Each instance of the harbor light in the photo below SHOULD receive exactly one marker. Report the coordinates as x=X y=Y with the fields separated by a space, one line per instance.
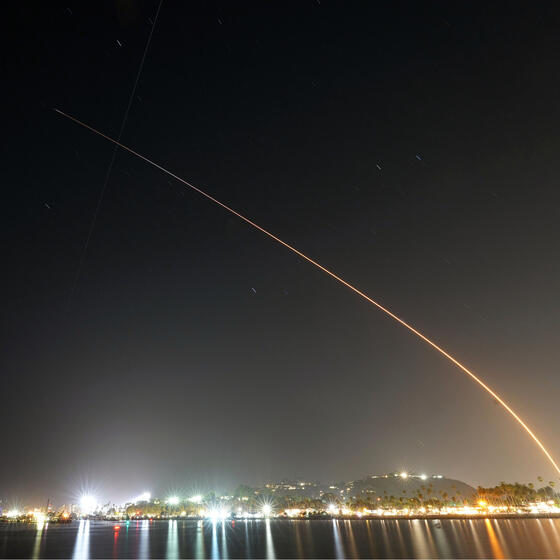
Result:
x=404 y=475
x=218 y=514
x=88 y=503
x=173 y=501
x=267 y=510
x=40 y=517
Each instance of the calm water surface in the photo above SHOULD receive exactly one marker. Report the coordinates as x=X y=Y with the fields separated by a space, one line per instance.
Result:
x=276 y=538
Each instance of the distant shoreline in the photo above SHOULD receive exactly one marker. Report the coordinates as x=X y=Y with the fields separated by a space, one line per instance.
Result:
x=325 y=518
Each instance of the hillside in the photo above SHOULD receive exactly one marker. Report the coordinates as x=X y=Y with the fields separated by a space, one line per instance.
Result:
x=391 y=484
x=434 y=486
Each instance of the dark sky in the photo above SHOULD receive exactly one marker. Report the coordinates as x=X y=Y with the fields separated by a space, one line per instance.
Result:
x=195 y=352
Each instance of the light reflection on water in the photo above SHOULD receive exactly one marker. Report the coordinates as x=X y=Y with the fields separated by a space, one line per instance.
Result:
x=81 y=548
x=553 y=535
x=370 y=538
x=278 y=538
x=269 y=542
x=247 y=540
x=38 y=539
x=224 y=553
x=420 y=539
x=546 y=536
x=497 y=551
x=440 y=538
x=199 y=540
x=351 y=539
x=476 y=540
x=215 y=551
x=338 y=548
x=143 y=529
x=172 y=541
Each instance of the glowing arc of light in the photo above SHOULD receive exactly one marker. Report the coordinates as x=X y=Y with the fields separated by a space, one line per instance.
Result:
x=337 y=278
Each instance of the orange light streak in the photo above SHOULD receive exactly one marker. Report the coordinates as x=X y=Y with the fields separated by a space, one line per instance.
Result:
x=494 y=542
x=337 y=278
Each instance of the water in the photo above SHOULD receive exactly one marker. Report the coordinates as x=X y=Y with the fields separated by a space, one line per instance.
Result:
x=282 y=538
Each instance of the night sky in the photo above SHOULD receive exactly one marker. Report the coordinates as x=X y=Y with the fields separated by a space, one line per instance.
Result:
x=413 y=148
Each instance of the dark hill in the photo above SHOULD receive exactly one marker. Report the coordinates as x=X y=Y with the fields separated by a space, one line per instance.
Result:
x=433 y=486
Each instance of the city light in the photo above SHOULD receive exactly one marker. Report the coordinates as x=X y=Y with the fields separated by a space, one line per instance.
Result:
x=39 y=516
x=196 y=499
x=423 y=477
x=487 y=502
x=218 y=514
x=88 y=504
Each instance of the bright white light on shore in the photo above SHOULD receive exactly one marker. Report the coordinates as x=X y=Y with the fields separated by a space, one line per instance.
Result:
x=404 y=475
x=218 y=514
x=13 y=513
x=267 y=509
x=332 y=509
x=174 y=500
x=196 y=499
x=423 y=477
x=88 y=503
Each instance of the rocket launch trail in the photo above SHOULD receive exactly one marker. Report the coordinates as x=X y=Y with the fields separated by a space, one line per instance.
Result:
x=413 y=330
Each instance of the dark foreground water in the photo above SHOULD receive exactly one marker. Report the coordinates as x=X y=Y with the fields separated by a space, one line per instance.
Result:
x=279 y=538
